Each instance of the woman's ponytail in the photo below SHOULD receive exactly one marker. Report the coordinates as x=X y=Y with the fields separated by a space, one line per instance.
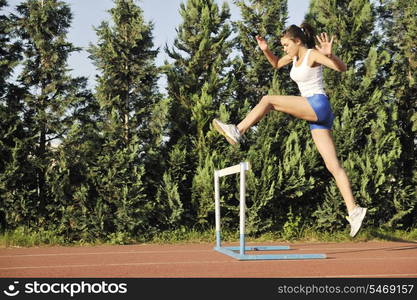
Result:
x=309 y=33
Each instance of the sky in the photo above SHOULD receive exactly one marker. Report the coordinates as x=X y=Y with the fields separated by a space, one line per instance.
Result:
x=164 y=14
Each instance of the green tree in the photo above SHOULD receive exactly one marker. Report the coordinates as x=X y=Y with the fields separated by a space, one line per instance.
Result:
x=396 y=17
x=11 y=129
x=365 y=127
x=198 y=83
x=254 y=73
x=48 y=92
x=128 y=161
x=281 y=153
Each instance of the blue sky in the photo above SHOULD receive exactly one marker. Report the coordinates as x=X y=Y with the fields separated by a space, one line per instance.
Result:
x=88 y=14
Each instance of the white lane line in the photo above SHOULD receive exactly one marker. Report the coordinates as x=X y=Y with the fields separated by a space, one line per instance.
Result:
x=330 y=259
x=201 y=262
x=180 y=251
x=103 y=253
x=294 y=248
x=360 y=248
x=116 y=265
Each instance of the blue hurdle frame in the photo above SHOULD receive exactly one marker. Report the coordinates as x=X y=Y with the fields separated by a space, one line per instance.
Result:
x=238 y=252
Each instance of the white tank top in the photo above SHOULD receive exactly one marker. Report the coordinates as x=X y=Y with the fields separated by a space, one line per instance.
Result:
x=308 y=79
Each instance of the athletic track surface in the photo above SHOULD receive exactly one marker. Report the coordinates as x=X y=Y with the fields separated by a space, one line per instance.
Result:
x=345 y=260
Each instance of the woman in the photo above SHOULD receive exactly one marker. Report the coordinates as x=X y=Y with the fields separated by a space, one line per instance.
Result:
x=312 y=105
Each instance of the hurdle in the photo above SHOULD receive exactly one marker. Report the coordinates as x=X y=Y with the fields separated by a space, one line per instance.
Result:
x=239 y=252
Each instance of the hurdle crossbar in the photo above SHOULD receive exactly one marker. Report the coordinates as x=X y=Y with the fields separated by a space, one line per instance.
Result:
x=239 y=252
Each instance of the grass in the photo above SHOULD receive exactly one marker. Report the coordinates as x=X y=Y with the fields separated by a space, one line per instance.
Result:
x=23 y=237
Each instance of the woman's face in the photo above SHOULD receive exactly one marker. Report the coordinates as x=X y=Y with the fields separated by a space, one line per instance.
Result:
x=291 y=47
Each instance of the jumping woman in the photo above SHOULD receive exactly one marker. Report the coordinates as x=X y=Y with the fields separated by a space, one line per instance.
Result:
x=313 y=104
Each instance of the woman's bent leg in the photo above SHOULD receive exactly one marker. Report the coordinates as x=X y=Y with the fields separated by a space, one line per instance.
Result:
x=294 y=105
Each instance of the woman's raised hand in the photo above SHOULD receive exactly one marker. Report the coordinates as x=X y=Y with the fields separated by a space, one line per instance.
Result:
x=325 y=46
x=262 y=43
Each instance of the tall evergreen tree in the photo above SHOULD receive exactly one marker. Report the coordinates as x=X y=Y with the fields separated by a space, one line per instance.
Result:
x=197 y=84
x=282 y=155
x=127 y=163
x=49 y=92
x=396 y=17
x=266 y=19
x=365 y=125
x=11 y=129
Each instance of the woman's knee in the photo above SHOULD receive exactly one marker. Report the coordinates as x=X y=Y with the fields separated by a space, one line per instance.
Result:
x=335 y=168
x=271 y=102
x=266 y=101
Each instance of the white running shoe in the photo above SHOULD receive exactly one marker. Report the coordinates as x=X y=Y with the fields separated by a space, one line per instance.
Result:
x=355 y=219
x=229 y=131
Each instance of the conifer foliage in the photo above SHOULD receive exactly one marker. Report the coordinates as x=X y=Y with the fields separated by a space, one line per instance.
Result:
x=366 y=127
x=127 y=94
x=11 y=129
x=44 y=95
x=399 y=20
x=279 y=146
x=198 y=82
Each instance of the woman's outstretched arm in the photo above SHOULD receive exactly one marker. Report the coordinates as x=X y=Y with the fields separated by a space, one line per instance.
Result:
x=325 y=56
x=276 y=62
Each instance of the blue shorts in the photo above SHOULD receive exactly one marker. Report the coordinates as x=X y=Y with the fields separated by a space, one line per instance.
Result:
x=321 y=106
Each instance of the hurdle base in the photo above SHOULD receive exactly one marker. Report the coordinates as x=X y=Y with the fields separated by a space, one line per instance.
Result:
x=232 y=252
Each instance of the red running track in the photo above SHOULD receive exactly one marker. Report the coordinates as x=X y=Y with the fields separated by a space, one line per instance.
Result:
x=356 y=259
